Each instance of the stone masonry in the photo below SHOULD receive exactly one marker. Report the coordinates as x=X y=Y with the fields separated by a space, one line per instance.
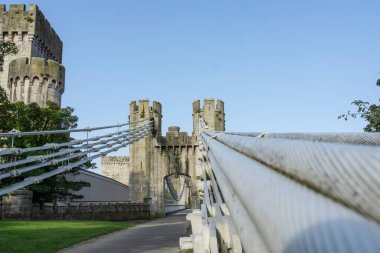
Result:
x=152 y=158
x=16 y=205
x=35 y=73
x=116 y=167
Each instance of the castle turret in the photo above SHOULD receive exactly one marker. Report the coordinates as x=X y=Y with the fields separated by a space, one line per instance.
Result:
x=36 y=80
x=161 y=166
x=38 y=59
x=212 y=114
x=141 y=160
x=144 y=111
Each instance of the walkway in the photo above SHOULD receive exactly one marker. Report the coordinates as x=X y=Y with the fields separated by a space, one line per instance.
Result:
x=161 y=235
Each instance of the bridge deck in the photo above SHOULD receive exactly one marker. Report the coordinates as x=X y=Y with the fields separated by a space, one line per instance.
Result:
x=161 y=235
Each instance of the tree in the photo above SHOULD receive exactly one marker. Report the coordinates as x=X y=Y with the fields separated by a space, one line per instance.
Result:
x=31 y=117
x=369 y=112
x=6 y=48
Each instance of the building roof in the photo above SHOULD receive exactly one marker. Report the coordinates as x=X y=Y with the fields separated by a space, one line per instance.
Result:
x=96 y=175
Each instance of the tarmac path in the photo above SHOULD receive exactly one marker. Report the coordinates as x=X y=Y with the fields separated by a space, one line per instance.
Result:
x=161 y=235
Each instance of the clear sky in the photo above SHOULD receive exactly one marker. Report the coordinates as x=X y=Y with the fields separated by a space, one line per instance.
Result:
x=280 y=66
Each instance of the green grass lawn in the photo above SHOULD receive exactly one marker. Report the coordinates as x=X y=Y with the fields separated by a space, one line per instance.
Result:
x=50 y=236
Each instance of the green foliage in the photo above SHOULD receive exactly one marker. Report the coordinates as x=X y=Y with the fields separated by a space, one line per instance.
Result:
x=31 y=117
x=142 y=114
x=176 y=163
x=4 y=111
x=177 y=158
x=51 y=236
x=6 y=48
x=369 y=112
x=29 y=19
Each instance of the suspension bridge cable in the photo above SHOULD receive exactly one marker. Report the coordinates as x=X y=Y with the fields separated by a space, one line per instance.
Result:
x=289 y=216
x=300 y=192
x=348 y=138
x=88 y=129
x=62 y=152
x=36 y=179
x=346 y=173
x=119 y=140
x=116 y=140
x=48 y=146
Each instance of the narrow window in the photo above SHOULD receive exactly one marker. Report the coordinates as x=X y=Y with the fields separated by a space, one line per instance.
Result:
x=24 y=36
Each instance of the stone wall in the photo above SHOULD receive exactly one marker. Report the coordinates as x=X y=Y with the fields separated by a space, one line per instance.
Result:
x=116 y=167
x=16 y=205
x=19 y=206
x=154 y=157
x=90 y=211
x=140 y=152
x=37 y=42
x=212 y=114
x=18 y=22
x=36 y=80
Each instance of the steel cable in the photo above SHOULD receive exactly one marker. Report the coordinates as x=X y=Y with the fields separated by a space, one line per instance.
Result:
x=48 y=146
x=289 y=216
x=75 y=130
x=36 y=179
x=349 y=174
x=116 y=140
x=128 y=137
x=66 y=151
x=348 y=138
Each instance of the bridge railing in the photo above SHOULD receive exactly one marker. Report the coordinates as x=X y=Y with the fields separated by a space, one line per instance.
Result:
x=288 y=193
x=63 y=157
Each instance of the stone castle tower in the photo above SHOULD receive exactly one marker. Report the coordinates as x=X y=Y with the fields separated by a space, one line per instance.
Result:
x=213 y=116
x=35 y=73
x=140 y=153
x=153 y=158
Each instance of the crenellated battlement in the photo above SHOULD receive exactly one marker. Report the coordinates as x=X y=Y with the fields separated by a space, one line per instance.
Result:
x=29 y=15
x=21 y=25
x=213 y=114
x=116 y=167
x=52 y=72
x=175 y=138
x=142 y=110
x=16 y=8
x=117 y=160
x=36 y=80
x=39 y=56
x=209 y=104
x=158 y=157
x=143 y=105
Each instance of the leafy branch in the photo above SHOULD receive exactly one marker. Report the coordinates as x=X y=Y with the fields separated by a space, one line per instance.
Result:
x=6 y=48
x=368 y=112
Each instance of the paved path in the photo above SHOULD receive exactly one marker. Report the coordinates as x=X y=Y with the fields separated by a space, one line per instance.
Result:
x=160 y=235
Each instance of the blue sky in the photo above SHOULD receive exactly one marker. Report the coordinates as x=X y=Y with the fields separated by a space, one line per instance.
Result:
x=280 y=66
